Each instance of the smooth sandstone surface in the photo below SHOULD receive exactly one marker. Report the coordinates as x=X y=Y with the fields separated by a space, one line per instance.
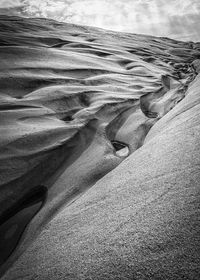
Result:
x=109 y=124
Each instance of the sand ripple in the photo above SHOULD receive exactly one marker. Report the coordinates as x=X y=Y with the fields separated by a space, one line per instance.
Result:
x=71 y=95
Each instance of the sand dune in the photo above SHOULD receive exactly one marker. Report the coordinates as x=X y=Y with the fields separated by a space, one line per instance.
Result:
x=105 y=126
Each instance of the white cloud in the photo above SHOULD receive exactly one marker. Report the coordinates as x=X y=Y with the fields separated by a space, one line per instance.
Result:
x=10 y=3
x=140 y=16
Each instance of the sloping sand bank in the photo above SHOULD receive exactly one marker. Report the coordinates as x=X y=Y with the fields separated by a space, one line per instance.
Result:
x=77 y=103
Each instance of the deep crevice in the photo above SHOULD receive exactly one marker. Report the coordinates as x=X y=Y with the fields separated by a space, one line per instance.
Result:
x=14 y=221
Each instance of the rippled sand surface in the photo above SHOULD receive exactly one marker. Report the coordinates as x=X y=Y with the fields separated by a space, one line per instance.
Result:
x=77 y=103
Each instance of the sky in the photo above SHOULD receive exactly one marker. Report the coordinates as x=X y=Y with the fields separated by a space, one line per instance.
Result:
x=179 y=19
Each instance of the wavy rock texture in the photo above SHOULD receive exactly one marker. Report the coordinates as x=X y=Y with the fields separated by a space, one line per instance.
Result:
x=78 y=103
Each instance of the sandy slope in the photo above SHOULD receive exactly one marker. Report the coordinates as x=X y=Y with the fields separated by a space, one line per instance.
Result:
x=76 y=102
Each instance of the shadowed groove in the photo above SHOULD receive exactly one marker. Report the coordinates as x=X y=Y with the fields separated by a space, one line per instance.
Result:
x=15 y=219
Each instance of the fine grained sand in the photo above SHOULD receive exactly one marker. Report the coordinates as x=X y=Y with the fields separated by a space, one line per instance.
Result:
x=78 y=103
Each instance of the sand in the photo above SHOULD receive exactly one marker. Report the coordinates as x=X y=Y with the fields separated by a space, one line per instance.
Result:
x=108 y=123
